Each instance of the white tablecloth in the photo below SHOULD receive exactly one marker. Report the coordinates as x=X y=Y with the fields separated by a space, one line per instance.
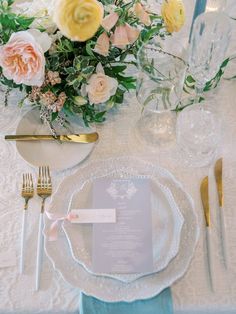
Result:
x=191 y=294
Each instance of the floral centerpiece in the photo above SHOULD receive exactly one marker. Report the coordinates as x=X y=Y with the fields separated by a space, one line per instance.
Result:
x=70 y=56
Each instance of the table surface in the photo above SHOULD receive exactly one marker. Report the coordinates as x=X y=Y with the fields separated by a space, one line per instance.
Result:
x=191 y=294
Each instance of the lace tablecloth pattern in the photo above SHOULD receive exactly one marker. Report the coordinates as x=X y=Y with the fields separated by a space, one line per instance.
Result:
x=191 y=294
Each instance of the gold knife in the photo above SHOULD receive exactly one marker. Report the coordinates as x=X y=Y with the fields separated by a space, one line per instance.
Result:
x=204 y=189
x=219 y=183
x=75 y=138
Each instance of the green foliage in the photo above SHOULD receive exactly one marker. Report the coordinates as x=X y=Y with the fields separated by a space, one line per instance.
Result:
x=215 y=81
x=9 y=83
x=189 y=84
x=76 y=62
x=10 y=22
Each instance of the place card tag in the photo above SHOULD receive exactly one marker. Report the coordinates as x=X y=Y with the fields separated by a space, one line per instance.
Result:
x=87 y=216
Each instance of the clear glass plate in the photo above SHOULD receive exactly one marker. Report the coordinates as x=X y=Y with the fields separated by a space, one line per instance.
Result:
x=109 y=289
x=167 y=222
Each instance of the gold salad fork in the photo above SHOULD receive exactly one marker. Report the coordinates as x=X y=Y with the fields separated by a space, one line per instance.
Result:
x=27 y=192
x=44 y=190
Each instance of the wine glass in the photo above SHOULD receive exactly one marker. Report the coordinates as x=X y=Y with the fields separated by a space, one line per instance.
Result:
x=198 y=125
x=231 y=9
x=215 y=5
x=228 y=6
x=159 y=87
x=208 y=46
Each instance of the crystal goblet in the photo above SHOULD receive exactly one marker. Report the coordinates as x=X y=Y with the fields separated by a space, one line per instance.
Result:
x=208 y=46
x=198 y=134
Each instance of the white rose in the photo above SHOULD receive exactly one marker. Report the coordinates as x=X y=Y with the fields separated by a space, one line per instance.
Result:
x=42 y=10
x=100 y=86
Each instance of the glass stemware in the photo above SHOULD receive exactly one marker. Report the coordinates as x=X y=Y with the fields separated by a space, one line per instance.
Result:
x=209 y=42
x=228 y=6
x=159 y=87
x=215 y=5
x=198 y=134
x=198 y=126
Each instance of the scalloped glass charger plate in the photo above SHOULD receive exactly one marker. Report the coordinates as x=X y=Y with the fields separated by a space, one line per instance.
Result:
x=58 y=156
x=104 y=287
x=167 y=220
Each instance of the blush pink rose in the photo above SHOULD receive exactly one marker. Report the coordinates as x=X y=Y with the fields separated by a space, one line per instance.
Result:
x=22 y=57
x=100 y=86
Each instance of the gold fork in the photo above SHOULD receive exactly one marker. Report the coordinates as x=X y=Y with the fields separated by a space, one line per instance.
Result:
x=27 y=192
x=44 y=190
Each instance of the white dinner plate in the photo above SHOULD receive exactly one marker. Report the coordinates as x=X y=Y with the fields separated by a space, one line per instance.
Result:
x=167 y=221
x=57 y=156
x=109 y=289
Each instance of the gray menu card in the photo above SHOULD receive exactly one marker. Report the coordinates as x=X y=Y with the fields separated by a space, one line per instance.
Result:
x=124 y=246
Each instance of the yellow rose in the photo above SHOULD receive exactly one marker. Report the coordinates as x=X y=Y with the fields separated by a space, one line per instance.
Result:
x=78 y=20
x=173 y=13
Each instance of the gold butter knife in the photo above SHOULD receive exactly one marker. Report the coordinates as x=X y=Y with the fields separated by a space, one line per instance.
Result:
x=219 y=183
x=204 y=189
x=74 y=138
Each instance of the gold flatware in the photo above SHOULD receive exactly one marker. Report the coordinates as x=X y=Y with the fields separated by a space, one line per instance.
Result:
x=219 y=184
x=27 y=192
x=219 y=180
x=204 y=189
x=44 y=190
x=205 y=200
x=73 y=138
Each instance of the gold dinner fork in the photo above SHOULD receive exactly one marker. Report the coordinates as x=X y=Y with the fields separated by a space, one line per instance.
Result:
x=27 y=192
x=44 y=190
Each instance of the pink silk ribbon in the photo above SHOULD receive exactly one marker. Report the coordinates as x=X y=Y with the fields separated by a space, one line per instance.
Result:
x=53 y=230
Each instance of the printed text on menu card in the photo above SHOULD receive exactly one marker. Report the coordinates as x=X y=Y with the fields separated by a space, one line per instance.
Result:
x=125 y=246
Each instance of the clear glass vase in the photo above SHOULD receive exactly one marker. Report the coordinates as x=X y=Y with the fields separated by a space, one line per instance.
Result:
x=159 y=88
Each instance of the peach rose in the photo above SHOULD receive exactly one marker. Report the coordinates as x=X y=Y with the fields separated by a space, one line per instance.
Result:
x=100 y=87
x=22 y=57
